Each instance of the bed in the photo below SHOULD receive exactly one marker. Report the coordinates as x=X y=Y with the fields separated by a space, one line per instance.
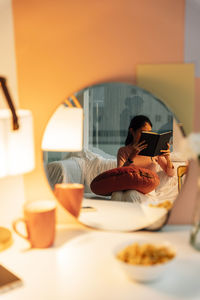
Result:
x=83 y=167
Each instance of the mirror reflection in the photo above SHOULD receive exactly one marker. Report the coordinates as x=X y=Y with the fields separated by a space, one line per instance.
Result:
x=115 y=114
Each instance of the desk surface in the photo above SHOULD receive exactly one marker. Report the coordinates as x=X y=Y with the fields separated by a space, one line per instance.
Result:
x=80 y=266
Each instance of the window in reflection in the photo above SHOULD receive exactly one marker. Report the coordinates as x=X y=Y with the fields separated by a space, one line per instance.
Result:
x=108 y=110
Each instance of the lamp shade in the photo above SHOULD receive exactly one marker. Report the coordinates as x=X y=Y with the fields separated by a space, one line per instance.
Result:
x=16 y=146
x=64 y=131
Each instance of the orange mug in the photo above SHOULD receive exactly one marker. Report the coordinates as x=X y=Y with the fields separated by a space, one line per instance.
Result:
x=70 y=196
x=40 y=222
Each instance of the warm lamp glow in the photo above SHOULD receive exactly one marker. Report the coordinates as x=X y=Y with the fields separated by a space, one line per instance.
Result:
x=16 y=146
x=65 y=130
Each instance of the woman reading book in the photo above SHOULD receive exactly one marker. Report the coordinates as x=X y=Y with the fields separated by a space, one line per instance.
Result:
x=161 y=164
x=129 y=154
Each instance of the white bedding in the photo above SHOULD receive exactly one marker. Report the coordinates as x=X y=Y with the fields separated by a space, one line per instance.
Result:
x=83 y=167
x=64 y=171
x=93 y=164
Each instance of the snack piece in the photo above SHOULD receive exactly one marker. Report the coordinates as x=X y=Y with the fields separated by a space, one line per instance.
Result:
x=165 y=204
x=145 y=254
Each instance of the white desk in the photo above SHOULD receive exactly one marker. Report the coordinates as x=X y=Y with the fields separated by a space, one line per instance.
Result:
x=80 y=266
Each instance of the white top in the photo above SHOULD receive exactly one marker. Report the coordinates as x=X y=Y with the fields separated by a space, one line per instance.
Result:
x=80 y=266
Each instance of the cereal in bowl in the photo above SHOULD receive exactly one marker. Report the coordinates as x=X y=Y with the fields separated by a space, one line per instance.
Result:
x=145 y=254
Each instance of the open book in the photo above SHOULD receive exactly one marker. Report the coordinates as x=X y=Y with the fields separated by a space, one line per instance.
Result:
x=155 y=141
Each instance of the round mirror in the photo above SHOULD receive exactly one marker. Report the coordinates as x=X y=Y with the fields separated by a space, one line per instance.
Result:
x=108 y=110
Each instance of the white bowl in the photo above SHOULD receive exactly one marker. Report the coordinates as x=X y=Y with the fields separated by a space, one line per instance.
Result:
x=145 y=273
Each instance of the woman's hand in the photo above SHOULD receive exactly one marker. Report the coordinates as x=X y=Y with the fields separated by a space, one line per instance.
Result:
x=166 y=154
x=136 y=148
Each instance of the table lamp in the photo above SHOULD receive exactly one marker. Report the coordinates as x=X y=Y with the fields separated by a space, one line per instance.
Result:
x=64 y=131
x=16 y=147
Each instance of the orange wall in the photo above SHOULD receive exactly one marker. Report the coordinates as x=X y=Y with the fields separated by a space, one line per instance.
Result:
x=63 y=46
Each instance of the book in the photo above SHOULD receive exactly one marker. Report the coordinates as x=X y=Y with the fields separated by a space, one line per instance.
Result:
x=155 y=141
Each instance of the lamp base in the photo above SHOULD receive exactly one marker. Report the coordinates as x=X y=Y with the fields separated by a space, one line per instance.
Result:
x=5 y=238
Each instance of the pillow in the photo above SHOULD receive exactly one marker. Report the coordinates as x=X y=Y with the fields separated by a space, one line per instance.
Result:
x=101 y=153
x=67 y=170
x=94 y=167
x=125 y=178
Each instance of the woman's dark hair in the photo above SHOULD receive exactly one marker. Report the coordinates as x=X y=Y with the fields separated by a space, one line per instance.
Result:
x=136 y=123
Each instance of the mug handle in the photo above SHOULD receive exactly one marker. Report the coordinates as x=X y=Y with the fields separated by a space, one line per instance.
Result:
x=14 y=225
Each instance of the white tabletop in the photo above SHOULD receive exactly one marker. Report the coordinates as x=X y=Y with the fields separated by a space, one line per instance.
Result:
x=80 y=266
